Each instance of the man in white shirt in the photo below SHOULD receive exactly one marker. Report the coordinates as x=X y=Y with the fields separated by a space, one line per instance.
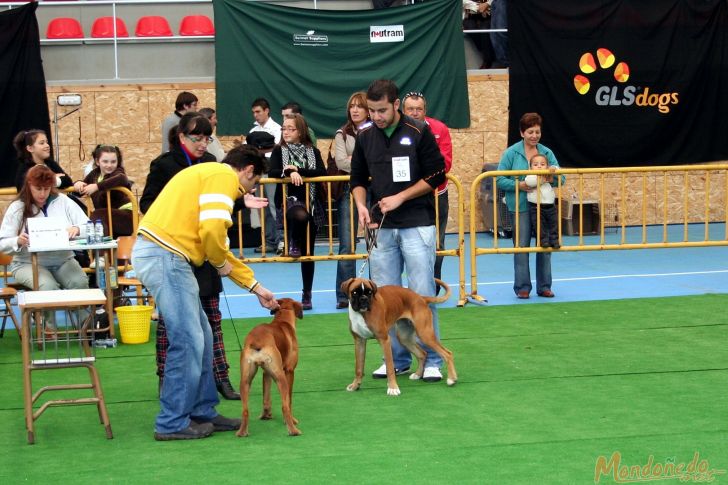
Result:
x=263 y=122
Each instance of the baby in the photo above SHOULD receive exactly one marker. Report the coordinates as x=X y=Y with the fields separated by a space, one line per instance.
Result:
x=549 y=214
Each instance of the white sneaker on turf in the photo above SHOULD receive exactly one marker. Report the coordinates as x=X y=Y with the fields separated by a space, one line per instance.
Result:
x=381 y=373
x=432 y=374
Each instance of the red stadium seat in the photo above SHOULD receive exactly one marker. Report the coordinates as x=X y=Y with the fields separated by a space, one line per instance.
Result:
x=196 y=25
x=153 y=26
x=64 y=28
x=103 y=28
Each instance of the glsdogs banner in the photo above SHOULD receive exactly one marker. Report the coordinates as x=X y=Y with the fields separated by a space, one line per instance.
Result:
x=318 y=58
x=622 y=83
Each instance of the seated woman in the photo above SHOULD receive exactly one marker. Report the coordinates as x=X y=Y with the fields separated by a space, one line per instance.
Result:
x=33 y=149
x=56 y=269
x=108 y=172
x=296 y=157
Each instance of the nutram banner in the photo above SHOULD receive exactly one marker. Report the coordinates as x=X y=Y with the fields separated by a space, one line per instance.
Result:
x=622 y=83
x=318 y=58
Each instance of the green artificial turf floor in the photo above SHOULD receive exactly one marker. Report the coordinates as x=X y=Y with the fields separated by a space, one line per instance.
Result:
x=544 y=391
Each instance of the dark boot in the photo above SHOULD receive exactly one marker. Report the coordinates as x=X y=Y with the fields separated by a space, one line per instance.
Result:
x=306 y=300
x=227 y=391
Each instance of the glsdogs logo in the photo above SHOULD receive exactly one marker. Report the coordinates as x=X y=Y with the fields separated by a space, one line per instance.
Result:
x=620 y=94
x=386 y=33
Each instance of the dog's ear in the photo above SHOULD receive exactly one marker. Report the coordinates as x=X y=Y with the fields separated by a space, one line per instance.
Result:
x=299 y=309
x=345 y=286
x=374 y=287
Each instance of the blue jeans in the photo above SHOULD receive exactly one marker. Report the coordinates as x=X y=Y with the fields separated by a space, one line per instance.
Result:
x=520 y=260
x=499 y=20
x=412 y=249
x=272 y=233
x=188 y=390
x=345 y=269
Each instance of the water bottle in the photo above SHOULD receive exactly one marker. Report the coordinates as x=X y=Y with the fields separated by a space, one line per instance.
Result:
x=113 y=277
x=90 y=232
x=101 y=277
x=99 y=231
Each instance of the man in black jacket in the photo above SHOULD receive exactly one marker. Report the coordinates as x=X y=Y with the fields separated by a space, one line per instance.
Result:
x=402 y=158
x=192 y=132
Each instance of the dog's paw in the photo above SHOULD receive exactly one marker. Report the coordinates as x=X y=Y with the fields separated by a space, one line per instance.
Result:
x=242 y=434
x=352 y=387
x=415 y=376
x=266 y=415
x=393 y=391
x=451 y=382
x=294 y=432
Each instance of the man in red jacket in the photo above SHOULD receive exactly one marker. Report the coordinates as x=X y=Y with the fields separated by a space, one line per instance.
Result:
x=415 y=106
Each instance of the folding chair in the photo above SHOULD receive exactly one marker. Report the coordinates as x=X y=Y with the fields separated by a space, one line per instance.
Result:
x=126 y=281
x=6 y=295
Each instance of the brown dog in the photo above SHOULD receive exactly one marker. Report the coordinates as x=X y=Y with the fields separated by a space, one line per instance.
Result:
x=274 y=347
x=373 y=311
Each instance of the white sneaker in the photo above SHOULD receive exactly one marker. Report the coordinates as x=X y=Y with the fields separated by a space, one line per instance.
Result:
x=432 y=374
x=381 y=373
x=101 y=263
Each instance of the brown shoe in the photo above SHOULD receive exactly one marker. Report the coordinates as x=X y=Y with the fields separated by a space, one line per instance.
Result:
x=340 y=305
x=523 y=295
x=546 y=294
x=227 y=391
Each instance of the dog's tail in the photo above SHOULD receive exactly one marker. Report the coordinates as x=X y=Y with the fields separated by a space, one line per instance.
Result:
x=439 y=299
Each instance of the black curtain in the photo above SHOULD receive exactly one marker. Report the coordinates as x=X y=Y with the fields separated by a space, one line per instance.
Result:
x=620 y=82
x=22 y=84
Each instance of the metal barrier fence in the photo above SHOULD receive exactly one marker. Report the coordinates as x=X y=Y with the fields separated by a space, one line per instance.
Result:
x=598 y=204
x=331 y=255
x=603 y=205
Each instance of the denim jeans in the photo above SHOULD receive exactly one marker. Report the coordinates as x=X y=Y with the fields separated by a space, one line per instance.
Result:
x=520 y=260
x=272 y=233
x=499 y=20
x=345 y=269
x=411 y=249
x=443 y=207
x=188 y=389
x=69 y=276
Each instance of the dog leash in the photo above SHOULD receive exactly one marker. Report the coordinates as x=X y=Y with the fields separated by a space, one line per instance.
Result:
x=370 y=237
x=232 y=320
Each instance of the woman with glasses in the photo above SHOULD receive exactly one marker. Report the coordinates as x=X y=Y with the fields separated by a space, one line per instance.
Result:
x=296 y=157
x=188 y=146
x=108 y=172
x=357 y=117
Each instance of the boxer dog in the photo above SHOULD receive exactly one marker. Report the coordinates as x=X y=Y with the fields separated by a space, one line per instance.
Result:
x=274 y=347
x=373 y=311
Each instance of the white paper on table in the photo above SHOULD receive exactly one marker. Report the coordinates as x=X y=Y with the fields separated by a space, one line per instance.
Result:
x=47 y=232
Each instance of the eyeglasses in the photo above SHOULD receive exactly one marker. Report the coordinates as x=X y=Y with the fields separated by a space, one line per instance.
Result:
x=413 y=94
x=198 y=139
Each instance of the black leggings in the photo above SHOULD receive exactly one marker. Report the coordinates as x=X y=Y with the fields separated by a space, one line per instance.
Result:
x=299 y=221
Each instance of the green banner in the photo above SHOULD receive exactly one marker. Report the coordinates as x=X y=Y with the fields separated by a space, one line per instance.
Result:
x=319 y=57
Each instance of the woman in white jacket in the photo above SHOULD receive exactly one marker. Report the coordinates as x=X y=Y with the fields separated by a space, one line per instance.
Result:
x=40 y=198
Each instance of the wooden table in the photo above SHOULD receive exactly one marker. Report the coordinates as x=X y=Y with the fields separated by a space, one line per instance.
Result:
x=68 y=353
x=107 y=248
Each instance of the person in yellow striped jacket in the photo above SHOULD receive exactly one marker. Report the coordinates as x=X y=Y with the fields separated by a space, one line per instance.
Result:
x=186 y=225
